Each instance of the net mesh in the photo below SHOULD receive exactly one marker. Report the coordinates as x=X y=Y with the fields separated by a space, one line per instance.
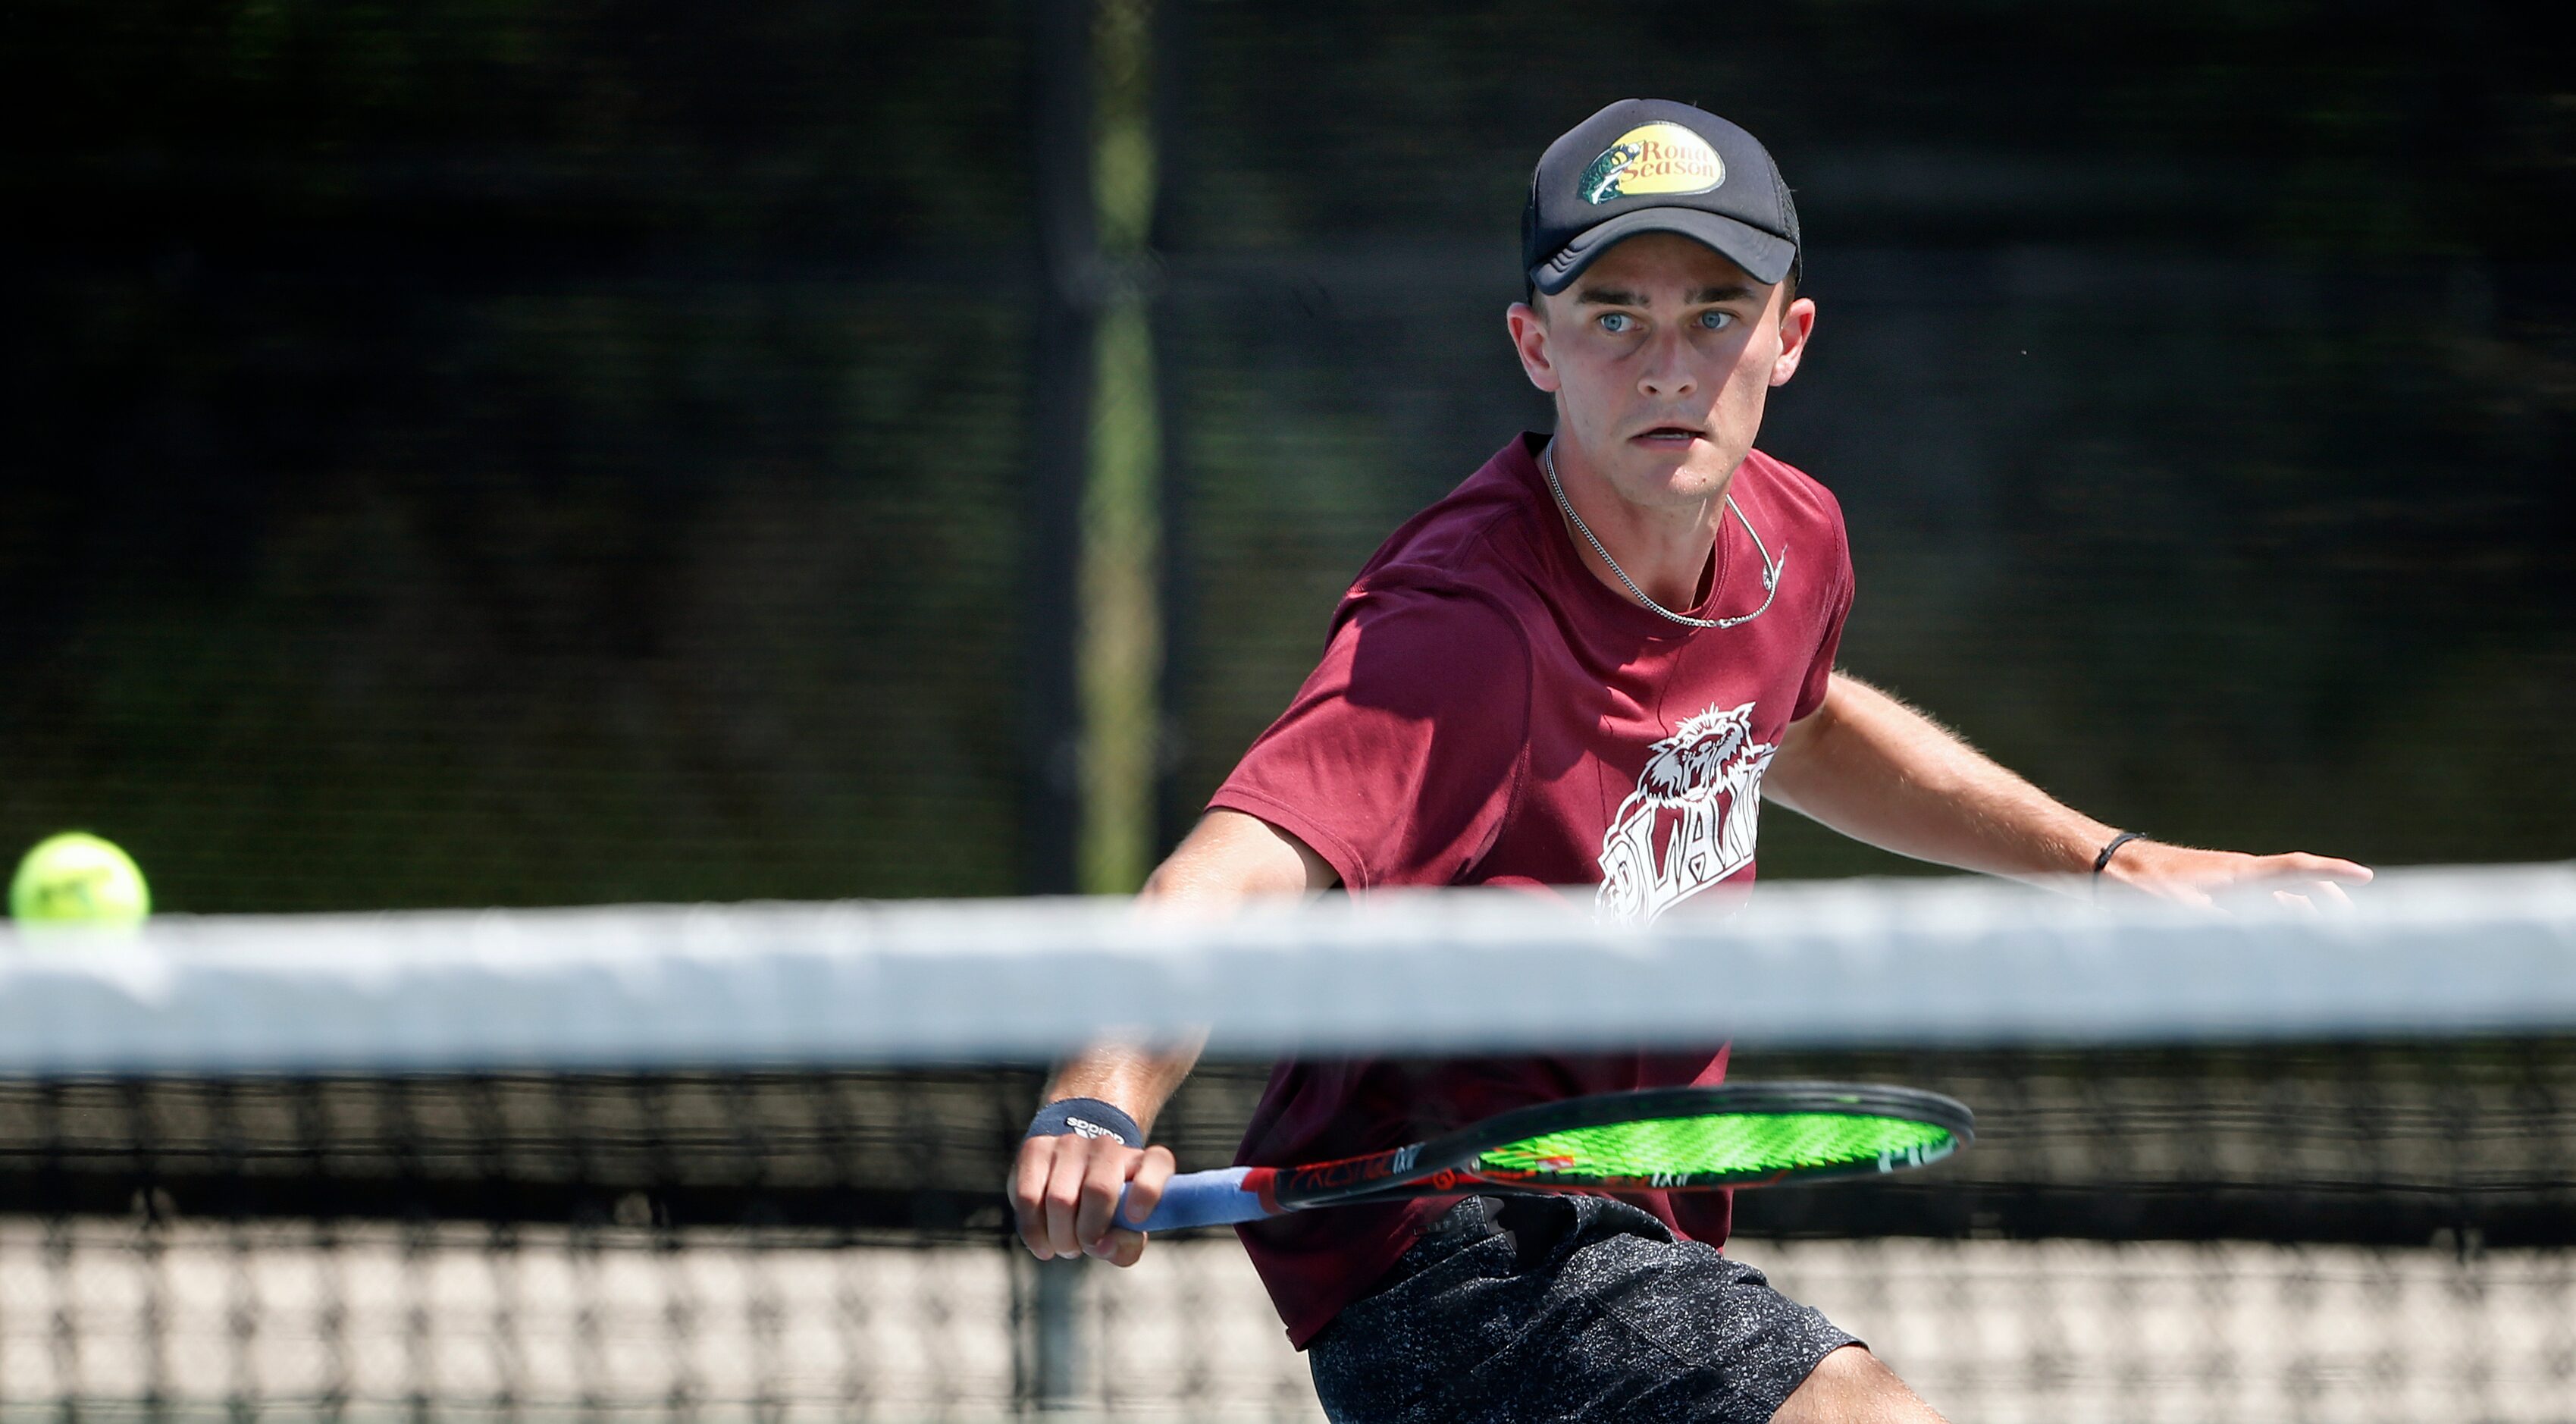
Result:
x=2297 y=1220
x=1719 y=1145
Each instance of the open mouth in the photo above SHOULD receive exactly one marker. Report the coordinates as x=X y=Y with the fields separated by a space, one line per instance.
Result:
x=1668 y=434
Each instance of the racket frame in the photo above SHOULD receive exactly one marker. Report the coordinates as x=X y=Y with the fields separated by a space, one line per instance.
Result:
x=1447 y=1164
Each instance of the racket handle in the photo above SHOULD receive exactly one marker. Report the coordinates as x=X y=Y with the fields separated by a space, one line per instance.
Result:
x=1202 y=1199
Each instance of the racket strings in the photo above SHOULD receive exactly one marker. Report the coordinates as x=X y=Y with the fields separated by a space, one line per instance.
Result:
x=1718 y=1144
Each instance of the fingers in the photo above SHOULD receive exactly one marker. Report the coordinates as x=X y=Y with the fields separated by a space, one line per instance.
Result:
x=1122 y=1248
x=2296 y=901
x=1029 y=1174
x=2315 y=898
x=2302 y=866
x=1066 y=1186
x=1145 y=1190
x=1064 y=1190
x=1060 y=1168
x=1103 y=1182
x=2320 y=881
x=1124 y=1245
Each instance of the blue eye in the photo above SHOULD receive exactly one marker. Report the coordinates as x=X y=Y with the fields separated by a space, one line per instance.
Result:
x=1716 y=320
x=1616 y=323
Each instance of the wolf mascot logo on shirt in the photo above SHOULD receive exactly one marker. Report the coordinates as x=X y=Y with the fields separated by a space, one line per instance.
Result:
x=1690 y=822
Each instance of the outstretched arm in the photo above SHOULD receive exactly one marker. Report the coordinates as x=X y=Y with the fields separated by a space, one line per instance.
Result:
x=1064 y=1188
x=1876 y=770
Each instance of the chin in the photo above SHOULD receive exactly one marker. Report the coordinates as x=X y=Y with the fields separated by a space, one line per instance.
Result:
x=1696 y=475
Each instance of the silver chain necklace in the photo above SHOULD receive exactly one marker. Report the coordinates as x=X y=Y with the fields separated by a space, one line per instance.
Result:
x=1770 y=567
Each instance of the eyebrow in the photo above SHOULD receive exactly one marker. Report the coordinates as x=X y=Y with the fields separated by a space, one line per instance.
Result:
x=1622 y=297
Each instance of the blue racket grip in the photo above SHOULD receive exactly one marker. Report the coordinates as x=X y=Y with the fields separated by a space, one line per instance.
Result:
x=1201 y=1199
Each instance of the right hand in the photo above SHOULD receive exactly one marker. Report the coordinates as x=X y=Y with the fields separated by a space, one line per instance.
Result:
x=1064 y=1189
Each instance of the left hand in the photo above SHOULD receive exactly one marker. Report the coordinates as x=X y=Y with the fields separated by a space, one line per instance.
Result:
x=2206 y=877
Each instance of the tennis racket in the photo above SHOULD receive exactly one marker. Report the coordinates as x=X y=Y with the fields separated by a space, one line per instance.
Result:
x=1661 y=1139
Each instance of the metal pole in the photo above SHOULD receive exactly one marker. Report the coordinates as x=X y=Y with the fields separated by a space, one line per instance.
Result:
x=1119 y=647
x=1096 y=568
x=1095 y=558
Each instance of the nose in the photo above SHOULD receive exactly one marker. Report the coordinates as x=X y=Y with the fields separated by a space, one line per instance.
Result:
x=1665 y=370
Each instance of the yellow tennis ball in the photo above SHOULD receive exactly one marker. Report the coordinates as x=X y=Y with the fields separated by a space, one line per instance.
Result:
x=77 y=878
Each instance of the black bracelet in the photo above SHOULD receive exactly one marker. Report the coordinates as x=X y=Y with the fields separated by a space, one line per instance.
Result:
x=1086 y=1117
x=2102 y=862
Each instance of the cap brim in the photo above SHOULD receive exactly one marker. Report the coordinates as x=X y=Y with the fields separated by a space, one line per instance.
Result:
x=1765 y=257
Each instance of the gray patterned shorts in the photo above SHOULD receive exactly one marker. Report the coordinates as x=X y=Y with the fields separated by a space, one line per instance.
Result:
x=1513 y=1310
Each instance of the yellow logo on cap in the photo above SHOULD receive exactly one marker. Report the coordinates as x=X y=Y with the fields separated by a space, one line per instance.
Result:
x=1653 y=158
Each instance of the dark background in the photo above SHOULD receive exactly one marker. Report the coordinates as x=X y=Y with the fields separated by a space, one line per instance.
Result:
x=465 y=453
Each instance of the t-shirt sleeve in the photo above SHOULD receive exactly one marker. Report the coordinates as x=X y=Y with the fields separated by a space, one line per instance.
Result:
x=1399 y=759
x=1838 y=603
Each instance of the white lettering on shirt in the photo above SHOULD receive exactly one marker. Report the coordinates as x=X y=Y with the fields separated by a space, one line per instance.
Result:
x=1702 y=789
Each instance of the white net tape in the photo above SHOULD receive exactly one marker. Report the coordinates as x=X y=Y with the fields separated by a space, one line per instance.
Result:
x=1905 y=962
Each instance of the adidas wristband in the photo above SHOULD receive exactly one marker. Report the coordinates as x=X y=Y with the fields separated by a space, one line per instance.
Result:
x=1087 y=1117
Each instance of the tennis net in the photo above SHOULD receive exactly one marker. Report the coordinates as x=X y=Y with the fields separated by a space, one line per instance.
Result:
x=744 y=1162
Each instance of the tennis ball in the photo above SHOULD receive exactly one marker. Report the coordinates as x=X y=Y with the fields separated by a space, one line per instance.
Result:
x=76 y=878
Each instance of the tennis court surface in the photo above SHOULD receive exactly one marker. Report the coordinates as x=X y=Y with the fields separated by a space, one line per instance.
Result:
x=744 y=1163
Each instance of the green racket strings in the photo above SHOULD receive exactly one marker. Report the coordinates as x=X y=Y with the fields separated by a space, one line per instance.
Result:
x=1722 y=1144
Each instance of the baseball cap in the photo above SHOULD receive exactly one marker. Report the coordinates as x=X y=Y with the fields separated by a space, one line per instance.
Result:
x=1652 y=165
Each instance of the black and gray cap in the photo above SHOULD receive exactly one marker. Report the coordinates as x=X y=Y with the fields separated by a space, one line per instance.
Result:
x=1651 y=165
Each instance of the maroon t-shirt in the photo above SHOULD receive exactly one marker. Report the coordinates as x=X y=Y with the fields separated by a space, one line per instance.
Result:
x=1488 y=713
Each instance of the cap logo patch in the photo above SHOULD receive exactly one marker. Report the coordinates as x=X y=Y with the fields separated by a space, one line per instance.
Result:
x=1653 y=158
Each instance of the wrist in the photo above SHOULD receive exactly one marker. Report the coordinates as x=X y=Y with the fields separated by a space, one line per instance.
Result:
x=2109 y=855
x=1086 y=1117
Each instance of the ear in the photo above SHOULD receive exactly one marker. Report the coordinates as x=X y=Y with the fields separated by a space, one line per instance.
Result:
x=1529 y=341
x=1797 y=323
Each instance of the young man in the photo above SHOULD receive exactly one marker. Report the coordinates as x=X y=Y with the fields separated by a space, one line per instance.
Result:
x=1583 y=667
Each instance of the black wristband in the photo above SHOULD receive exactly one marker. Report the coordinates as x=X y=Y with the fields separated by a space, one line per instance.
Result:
x=2102 y=862
x=1086 y=1117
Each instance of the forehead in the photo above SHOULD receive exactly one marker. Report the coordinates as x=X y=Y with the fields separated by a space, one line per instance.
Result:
x=1658 y=264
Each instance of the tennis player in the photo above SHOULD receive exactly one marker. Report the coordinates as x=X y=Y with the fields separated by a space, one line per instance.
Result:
x=1586 y=666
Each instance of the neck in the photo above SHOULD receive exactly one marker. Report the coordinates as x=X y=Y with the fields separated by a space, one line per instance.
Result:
x=1664 y=547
